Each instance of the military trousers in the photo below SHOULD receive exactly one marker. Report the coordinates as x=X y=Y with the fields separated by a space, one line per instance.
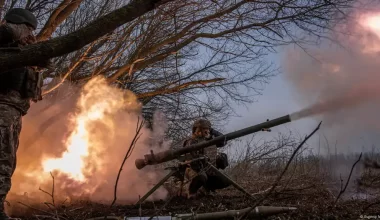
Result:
x=10 y=128
x=209 y=180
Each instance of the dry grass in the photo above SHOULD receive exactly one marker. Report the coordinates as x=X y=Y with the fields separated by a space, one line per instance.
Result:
x=311 y=183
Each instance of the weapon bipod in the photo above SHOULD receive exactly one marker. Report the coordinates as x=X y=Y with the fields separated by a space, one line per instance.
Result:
x=180 y=171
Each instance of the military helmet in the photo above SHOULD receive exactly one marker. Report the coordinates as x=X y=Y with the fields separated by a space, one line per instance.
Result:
x=201 y=123
x=21 y=16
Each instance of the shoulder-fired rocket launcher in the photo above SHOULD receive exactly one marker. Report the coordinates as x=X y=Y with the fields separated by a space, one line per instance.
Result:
x=164 y=156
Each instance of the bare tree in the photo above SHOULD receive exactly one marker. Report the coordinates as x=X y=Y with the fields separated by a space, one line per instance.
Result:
x=188 y=58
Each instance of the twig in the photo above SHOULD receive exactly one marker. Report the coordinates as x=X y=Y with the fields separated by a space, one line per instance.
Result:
x=370 y=205
x=130 y=149
x=282 y=173
x=371 y=164
x=48 y=213
x=133 y=64
x=48 y=204
x=45 y=216
x=75 y=209
x=199 y=207
x=154 y=206
x=162 y=208
x=64 y=201
x=348 y=180
x=341 y=181
x=140 y=209
x=71 y=69
x=261 y=192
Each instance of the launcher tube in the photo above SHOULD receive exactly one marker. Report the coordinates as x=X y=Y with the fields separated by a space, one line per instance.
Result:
x=164 y=156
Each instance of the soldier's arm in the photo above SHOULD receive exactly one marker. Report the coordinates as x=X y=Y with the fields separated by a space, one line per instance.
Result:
x=21 y=33
x=215 y=134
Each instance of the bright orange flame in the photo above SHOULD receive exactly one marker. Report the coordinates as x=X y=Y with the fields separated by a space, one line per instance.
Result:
x=97 y=105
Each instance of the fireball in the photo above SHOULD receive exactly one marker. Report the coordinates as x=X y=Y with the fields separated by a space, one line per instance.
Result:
x=97 y=105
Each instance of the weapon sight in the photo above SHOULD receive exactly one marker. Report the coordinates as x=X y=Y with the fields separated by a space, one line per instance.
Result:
x=164 y=156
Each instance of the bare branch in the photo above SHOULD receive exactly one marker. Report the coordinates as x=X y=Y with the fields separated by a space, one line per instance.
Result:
x=178 y=88
x=129 y=152
x=57 y=17
x=32 y=55
x=342 y=190
x=277 y=181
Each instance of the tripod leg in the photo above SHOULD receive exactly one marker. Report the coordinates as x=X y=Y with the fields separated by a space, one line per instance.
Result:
x=237 y=186
x=142 y=199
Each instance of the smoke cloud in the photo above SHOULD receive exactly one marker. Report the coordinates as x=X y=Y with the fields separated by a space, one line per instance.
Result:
x=51 y=126
x=341 y=84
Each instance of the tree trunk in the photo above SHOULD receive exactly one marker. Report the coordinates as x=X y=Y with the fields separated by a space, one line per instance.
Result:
x=33 y=55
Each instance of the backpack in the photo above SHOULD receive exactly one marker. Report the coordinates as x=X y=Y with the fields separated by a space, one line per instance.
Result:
x=222 y=161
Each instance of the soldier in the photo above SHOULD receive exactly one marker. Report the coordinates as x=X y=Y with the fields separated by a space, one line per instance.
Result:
x=197 y=174
x=18 y=87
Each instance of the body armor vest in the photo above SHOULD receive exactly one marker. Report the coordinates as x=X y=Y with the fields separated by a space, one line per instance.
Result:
x=24 y=80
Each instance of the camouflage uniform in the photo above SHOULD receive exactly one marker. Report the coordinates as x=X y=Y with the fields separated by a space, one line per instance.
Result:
x=198 y=175
x=18 y=87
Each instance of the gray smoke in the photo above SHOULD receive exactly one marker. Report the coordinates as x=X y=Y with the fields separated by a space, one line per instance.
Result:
x=340 y=85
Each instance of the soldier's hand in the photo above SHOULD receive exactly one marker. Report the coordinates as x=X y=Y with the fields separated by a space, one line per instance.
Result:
x=31 y=39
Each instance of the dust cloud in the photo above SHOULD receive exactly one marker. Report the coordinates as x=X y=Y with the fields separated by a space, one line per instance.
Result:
x=341 y=84
x=55 y=135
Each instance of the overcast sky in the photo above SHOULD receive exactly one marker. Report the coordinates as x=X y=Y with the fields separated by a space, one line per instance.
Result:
x=277 y=100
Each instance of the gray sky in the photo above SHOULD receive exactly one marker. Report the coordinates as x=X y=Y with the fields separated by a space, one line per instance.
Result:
x=277 y=100
x=280 y=98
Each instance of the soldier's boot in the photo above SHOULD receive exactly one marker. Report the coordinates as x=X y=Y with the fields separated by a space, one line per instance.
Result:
x=199 y=194
x=195 y=184
x=183 y=193
x=204 y=192
x=189 y=193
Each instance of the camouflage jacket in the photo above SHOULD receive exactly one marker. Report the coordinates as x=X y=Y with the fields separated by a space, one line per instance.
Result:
x=210 y=152
x=26 y=79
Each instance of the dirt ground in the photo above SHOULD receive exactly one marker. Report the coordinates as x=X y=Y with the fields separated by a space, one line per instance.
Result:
x=310 y=196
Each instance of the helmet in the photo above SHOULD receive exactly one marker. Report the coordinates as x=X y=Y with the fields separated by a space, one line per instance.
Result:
x=21 y=16
x=201 y=123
